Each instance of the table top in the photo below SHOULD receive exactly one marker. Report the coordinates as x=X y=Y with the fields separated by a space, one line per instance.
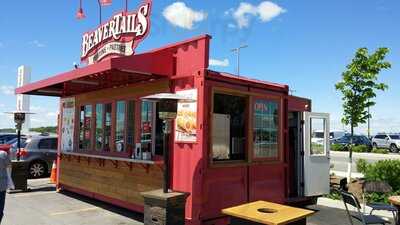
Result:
x=268 y=213
x=395 y=200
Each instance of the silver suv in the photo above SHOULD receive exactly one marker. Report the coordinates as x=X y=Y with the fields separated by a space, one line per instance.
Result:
x=39 y=152
x=389 y=141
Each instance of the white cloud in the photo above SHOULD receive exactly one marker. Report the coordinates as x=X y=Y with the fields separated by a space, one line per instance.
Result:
x=265 y=11
x=7 y=90
x=37 y=109
x=387 y=124
x=37 y=44
x=178 y=14
x=52 y=114
x=231 y=25
x=222 y=63
x=44 y=116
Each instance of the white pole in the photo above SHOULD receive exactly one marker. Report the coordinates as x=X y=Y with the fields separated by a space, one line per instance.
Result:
x=23 y=101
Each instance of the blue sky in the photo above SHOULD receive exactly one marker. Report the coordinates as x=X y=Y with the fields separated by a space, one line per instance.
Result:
x=305 y=44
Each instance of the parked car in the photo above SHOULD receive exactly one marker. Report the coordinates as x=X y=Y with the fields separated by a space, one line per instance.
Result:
x=357 y=140
x=4 y=138
x=7 y=146
x=318 y=135
x=389 y=141
x=39 y=152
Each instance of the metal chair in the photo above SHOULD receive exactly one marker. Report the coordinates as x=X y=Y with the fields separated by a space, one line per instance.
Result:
x=381 y=187
x=349 y=199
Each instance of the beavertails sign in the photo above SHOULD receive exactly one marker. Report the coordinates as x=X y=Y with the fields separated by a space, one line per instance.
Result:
x=118 y=36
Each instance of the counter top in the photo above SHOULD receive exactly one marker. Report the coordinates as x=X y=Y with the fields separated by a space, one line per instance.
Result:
x=114 y=158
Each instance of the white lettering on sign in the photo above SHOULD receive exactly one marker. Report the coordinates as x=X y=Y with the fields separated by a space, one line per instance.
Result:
x=130 y=26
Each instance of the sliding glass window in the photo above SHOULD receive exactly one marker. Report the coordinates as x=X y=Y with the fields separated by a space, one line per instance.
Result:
x=85 y=127
x=120 y=126
x=99 y=127
x=107 y=126
x=130 y=127
x=147 y=126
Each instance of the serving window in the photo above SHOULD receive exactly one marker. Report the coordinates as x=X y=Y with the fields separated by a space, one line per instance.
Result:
x=103 y=116
x=151 y=129
x=229 y=127
x=109 y=129
x=245 y=128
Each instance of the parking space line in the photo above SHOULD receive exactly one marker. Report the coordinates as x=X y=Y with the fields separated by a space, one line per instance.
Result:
x=33 y=194
x=74 y=211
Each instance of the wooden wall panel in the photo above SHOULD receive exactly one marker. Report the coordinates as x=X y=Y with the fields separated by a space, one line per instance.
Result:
x=118 y=182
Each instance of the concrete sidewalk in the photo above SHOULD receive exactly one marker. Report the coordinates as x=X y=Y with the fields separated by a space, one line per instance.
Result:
x=44 y=206
x=332 y=212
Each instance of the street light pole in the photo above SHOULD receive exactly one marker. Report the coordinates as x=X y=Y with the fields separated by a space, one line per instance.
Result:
x=98 y=1
x=237 y=50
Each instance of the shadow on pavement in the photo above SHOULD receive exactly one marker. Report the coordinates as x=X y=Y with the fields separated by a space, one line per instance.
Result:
x=328 y=216
x=115 y=209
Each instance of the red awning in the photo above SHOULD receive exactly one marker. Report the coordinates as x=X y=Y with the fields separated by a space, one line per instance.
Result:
x=113 y=72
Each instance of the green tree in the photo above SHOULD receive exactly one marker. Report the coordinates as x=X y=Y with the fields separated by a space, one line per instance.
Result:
x=358 y=86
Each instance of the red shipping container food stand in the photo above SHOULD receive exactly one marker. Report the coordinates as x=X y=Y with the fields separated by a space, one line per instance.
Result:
x=240 y=140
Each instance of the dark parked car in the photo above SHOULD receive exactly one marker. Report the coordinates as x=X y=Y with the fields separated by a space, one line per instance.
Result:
x=13 y=142
x=39 y=152
x=4 y=138
x=357 y=140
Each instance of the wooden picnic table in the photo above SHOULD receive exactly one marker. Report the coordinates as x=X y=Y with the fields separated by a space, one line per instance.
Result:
x=395 y=200
x=262 y=212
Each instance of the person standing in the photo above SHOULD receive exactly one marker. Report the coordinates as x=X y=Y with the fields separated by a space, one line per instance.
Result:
x=5 y=163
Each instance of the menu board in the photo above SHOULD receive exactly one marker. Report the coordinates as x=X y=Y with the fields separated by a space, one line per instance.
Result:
x=67 y=126
x=186 y=120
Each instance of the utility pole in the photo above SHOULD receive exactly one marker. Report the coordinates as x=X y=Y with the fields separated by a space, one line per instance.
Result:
x=237 y=50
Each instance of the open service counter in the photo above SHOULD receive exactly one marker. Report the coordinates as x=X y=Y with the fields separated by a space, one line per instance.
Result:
x=239 y=140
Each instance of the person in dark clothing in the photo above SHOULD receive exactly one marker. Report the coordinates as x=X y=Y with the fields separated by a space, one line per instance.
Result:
x=5 y=163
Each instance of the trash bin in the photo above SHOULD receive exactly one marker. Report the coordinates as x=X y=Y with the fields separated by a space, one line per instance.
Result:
x=19 y=175
x=164 y=208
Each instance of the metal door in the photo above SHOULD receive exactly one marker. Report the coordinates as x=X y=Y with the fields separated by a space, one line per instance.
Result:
x=316 y=155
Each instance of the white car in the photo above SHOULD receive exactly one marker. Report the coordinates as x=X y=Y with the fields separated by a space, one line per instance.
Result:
x=389 y=141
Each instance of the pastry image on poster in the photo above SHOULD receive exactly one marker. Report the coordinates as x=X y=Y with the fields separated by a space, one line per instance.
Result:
x=67 y=126
x=186 y=120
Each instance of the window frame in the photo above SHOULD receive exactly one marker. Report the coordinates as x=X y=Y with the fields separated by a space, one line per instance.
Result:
x=114 y=118
x=153 y=121
x=278 y=100
x=112 y=149
x=95 y=126
x=78 y=128
x=248 y=125
x=326 y=136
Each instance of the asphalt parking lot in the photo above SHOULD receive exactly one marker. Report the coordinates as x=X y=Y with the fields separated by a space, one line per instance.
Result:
x=44 y=206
